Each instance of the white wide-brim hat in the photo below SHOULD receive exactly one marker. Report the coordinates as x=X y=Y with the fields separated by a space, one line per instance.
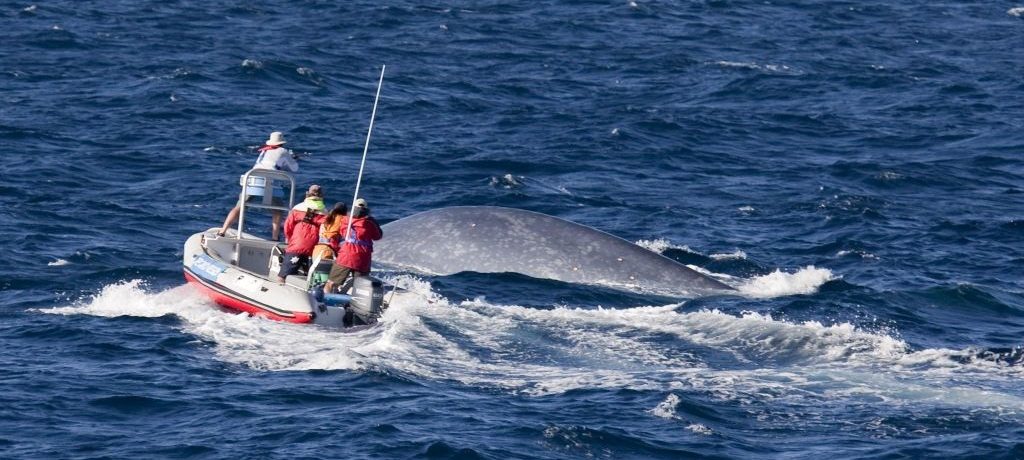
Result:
x=276 y=138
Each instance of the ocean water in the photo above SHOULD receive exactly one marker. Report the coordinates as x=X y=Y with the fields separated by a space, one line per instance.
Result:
x=856 y=169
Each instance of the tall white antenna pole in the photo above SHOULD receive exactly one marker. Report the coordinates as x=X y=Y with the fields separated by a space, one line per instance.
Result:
x=359 y=179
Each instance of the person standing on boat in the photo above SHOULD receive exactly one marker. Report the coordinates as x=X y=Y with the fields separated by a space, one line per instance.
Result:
x=355 y=252
x=272 y=156
x=302 y=231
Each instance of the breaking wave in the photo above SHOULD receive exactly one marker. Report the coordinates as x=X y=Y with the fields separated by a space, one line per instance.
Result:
x=807 y=280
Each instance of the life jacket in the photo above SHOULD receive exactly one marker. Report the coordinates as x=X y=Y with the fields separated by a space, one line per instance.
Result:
x=366 y=243
x=311 y=204
x=314 y=208
x=357 y=249
x=310 y=214
x=302 y=227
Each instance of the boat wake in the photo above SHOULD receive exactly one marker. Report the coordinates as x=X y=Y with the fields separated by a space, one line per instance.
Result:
x=251 y=341
x=740 y=358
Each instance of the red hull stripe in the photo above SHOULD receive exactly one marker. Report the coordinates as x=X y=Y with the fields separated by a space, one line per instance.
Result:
x=224 y=290
x=230 y=299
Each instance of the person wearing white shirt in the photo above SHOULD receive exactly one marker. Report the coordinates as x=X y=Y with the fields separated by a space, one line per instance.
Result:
x=272 y=156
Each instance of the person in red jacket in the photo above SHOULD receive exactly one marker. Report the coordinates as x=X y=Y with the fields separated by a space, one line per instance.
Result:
x=302 y=231
x=354 y=253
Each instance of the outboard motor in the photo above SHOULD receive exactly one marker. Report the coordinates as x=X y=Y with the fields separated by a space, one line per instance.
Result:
x=367 y=298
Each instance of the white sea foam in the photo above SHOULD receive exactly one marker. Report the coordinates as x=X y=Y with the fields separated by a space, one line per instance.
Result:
x=252 y=64
x=661 y=245
x=861 y=254
x=310 y=75
x=744 y=65
x=667 y=408
x=807 y=280
x=739 y=358
x=889 y=176
x=508 y=181
x=727 y=279
x=1016 y=11
x=699 y=429
x=768 y=68
x=778 y=68
x=737 y=254
x=255 y=342
x=129 y=298
x=746 y=209
x=749 y=337
x=58 y=263
x=776 y=284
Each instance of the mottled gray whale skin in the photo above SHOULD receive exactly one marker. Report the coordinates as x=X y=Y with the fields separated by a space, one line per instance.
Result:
x=490 y=239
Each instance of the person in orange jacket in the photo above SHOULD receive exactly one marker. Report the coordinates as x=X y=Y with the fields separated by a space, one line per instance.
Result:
x=329 y=231
x=355 y=252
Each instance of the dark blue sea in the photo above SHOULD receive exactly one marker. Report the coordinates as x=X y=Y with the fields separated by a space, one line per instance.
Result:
x=856 y=169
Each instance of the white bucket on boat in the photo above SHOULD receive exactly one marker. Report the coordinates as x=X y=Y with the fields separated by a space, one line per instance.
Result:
x=257 y=186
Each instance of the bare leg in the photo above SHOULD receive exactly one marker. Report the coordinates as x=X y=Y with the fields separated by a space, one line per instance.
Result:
x=275 y=225
x=328 y=287
x=229 y=220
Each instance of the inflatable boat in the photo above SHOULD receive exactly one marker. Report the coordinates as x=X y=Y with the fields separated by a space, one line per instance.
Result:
x=239 y=270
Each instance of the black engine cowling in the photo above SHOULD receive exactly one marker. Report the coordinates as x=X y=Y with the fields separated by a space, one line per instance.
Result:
x=367 y=301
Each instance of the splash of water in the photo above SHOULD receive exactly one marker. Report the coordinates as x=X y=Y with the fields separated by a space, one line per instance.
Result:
x=545 y=351
x=807 y=280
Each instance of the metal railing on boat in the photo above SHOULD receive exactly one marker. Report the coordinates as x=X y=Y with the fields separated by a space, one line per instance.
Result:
x=264 y=184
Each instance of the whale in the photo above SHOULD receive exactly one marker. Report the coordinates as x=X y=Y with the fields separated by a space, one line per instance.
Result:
x=493 y=239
